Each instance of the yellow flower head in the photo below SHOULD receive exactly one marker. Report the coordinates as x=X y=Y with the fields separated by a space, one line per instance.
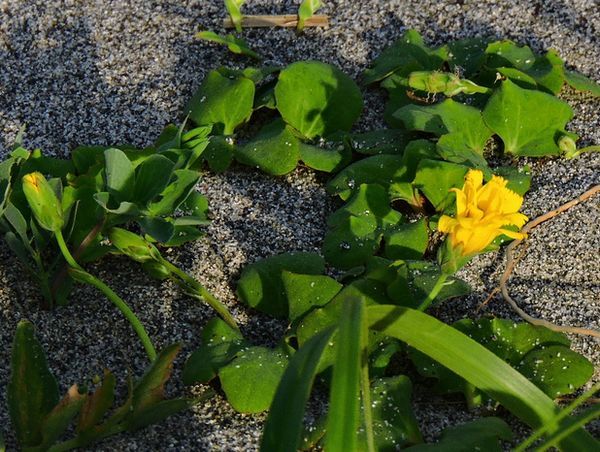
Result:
x=481 y=212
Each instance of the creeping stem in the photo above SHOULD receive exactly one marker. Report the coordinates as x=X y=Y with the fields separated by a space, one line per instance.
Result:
x=435 y=291
x=78 y=273
x=196 y=290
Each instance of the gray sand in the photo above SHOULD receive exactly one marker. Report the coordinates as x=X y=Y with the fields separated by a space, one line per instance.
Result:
x=116 y=72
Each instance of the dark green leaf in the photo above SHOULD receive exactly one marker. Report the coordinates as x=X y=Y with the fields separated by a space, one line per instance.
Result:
x=435 y=178
x=385 y=141
x=527 y=121
x=548 y=72
x=407 y=241
x=284 y=423
x=378 y=169
x=157 y=412
x=317 y=99
x=223 y=101
x=150 y=389
x=327 y=160
x=275 y=150
x=355 y=230
x=507 y=53
x=97 y=404
x=466 y=56
x=32 y=390
x=176 y=192
x=250 y=380
x=151 y=178
x=261 y=285
x=220 y=343
x=307 y=291
x=120 y=176
x=460 y=125
x=219 y=153
x=394 y=423
x=60 y=417
x=480 y=434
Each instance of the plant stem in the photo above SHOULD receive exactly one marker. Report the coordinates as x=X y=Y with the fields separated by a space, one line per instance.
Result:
x=78 y=273
x=435 y=291
x=198 y=291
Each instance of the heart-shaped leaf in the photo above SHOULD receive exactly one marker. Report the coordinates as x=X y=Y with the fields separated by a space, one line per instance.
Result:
x=317 y=99
x=275 y=150
x=527 y=121
x=261 y=285
x=251 y=379
x=223 y=101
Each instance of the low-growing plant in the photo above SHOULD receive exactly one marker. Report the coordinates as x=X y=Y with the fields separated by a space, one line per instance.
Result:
x=417 y=202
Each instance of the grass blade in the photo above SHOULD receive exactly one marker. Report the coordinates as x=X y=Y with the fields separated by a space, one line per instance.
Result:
x=344 y=399
x=284 y=424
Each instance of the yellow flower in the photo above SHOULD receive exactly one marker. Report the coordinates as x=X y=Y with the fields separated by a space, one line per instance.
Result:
x=482 y=210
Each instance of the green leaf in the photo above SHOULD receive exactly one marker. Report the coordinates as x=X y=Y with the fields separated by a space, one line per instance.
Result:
x=284 y=423
x=407 y=241
x=306 y=9
x=480 y=434
x=157 y=412
x=250 y=380
x=235 y=45
x=344 y=398
x=473 y=362
x=538 y=353
x=151 y=178
x=556 y=369
x=466 y=56
x=317 y=99
x=404 y=56
x=223 y=101
x=275 y=149
x=519 y=179
x=527 y=121
x=219 y=153
x=304 y=292
x=507 y=53
x=97 y=404
x=548 y=72
x=394 y=423
x=414 y=280
x=261 y=285
x=233 y=8
x=32 y=390
x=581 y=83
x=327 y=160
x=158 y=228
x=460 y=126
x=60 y=417
x=435 y=178
x=149 y=390
x=220 y=344
x=175 y=194
x=355 y=230
x=120 y=175
x=385 y=141
x=378 y=169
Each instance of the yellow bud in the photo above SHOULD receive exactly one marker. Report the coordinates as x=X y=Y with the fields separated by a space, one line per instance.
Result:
x=43 y=202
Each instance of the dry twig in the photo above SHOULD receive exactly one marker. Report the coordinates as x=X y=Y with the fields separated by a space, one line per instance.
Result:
x=511 y=262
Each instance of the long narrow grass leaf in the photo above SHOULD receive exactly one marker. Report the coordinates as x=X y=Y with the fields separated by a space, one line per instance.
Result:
x=474 y=363
x=284 y=424
x=344 y=402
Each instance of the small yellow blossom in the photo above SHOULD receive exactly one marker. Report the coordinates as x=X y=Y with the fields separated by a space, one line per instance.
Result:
x=482 y=210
